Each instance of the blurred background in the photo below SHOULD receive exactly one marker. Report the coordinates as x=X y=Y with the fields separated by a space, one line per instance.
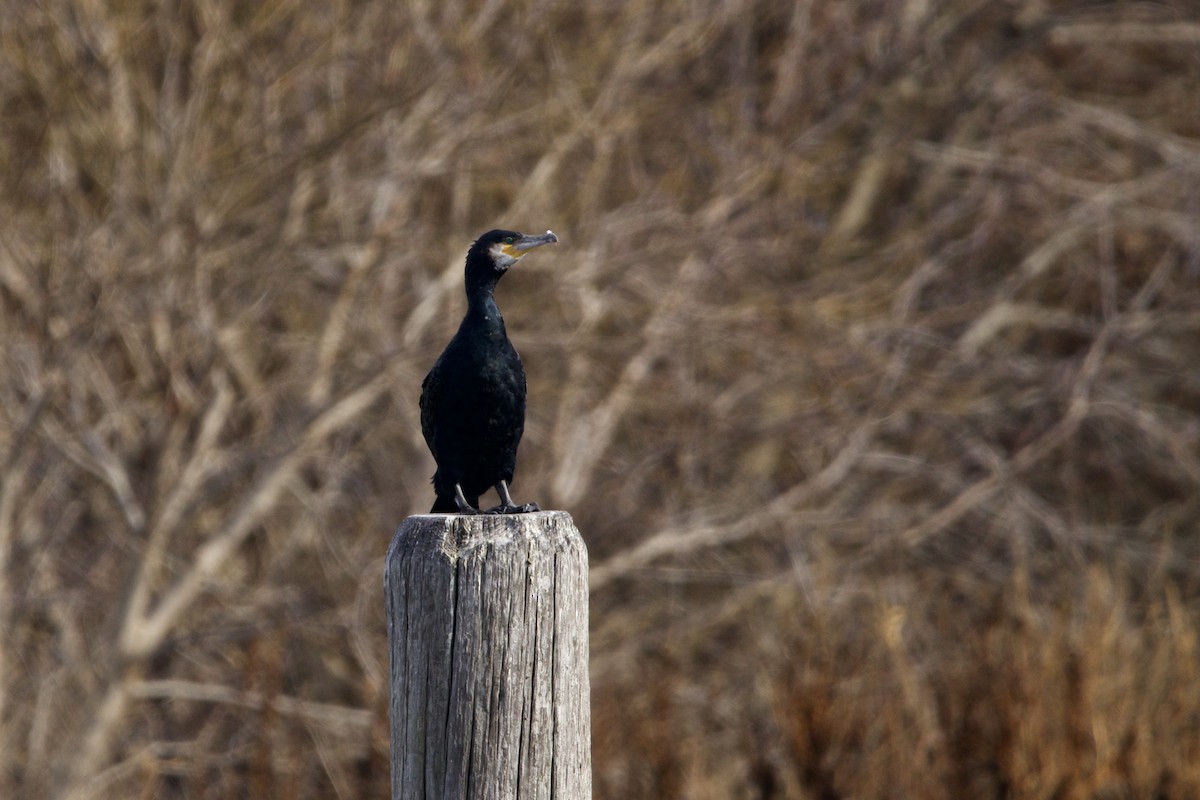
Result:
x=867 y=366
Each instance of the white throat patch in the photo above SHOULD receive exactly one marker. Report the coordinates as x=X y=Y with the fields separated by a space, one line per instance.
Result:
x=502 y=259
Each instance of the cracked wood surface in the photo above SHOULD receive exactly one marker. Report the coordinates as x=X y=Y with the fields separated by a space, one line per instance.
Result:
x=487 y=628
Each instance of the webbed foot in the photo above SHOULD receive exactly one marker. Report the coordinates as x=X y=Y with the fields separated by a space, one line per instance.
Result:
x=528 y=508
x=507 y=506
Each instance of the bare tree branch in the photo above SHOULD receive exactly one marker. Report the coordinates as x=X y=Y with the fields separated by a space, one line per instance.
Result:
x=141 y=636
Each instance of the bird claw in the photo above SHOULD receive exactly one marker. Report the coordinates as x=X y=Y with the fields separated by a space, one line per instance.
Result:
x=509 y=508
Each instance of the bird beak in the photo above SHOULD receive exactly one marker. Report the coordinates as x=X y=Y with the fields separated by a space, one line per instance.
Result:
x=530 y=241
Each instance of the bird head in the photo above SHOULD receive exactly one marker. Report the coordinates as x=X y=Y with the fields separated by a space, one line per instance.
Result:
x=496 y=251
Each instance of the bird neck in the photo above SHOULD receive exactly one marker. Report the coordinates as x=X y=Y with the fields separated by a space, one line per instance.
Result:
x=481 y=304
x=480 y=284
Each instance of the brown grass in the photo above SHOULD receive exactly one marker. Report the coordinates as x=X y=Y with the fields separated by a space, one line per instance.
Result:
x=866 y=366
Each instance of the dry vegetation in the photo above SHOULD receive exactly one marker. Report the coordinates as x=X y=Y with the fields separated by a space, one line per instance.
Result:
x=867 y=366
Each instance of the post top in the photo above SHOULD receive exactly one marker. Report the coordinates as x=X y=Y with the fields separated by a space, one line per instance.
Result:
x=453 y=534
x=529 y=515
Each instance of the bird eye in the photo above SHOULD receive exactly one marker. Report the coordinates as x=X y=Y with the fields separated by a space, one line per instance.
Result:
x=508 y=240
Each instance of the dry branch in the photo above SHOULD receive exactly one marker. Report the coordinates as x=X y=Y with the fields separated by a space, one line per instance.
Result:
x=205 y=459
x=142 y=636
x=341 y=720
x=1126 y=33
x=688 y=539
x=591 y=434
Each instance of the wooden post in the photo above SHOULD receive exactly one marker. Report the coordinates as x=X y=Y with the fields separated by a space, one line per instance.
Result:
x=488 y=627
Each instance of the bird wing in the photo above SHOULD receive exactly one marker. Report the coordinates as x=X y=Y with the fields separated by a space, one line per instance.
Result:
x=429 y=393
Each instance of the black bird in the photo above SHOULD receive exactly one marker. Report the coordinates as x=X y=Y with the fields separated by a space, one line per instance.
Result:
x=473 y=400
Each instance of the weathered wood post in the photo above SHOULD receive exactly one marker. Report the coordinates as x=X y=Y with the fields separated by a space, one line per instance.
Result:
x=488 y=631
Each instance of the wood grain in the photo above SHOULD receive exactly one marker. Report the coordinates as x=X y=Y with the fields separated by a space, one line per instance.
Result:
x=487 y=627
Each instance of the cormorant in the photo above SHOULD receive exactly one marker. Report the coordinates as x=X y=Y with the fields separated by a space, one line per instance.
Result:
x=473 y=400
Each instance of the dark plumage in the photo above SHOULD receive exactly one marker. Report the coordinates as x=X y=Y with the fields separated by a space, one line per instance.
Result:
x=473 y=400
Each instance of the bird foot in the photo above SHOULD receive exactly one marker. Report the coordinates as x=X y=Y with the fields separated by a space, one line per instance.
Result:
x=510 y=508
x=464 y=507
x=507 y=506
